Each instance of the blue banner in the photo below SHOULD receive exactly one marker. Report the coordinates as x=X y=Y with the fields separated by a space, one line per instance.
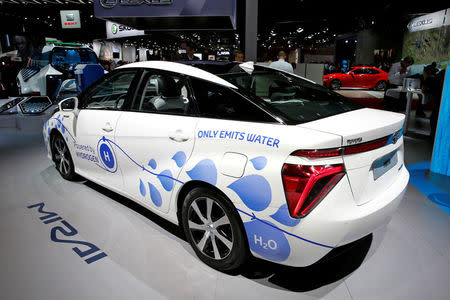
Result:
x=441 y=151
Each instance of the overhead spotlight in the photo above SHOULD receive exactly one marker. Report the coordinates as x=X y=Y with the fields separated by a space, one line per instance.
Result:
x=346 y=41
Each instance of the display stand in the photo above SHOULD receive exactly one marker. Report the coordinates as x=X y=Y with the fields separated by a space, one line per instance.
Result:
x=409 y=97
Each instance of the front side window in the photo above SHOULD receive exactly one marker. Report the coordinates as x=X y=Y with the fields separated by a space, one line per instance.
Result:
x=110 y=93
x=163 y=93
x=218 y=102
x=292 y=98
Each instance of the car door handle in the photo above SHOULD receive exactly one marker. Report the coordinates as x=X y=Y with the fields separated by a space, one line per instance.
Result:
x=178 y=136
x=107 y=128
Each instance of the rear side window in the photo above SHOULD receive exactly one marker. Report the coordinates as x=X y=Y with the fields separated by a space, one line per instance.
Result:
x=372 y=71
x=292 y=98
x=359 y=71
x=218 y=102
x=164 y=93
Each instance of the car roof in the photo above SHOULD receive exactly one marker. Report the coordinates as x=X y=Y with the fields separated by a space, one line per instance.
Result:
x=365 y=67
x=180 y=68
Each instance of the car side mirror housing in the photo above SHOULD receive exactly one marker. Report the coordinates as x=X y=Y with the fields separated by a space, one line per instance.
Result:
x=69 y=104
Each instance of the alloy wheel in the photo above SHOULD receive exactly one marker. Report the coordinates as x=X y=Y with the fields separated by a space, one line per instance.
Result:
x=62 y=156
x=210 y=228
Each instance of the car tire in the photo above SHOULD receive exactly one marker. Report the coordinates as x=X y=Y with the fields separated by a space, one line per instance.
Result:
x=62 y=158
x=335 y=84
x=214 y=229
x=381 y=86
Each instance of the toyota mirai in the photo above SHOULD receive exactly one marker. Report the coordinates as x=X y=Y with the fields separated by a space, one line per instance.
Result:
x=252 y=162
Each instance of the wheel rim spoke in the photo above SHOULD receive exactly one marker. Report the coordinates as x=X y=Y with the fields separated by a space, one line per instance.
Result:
x=197 y=211
x=222 y=221
x=66 y=166
x=61 y=166
x=224 y=240
x=201 y=244
x=58 y=146
x=209 y=205
x=215 y=249
x=196 y=226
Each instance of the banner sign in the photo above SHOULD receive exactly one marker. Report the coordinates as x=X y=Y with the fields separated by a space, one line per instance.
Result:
x=151 y=13
x=70 y=18
x=116 y=30
x=429 y=21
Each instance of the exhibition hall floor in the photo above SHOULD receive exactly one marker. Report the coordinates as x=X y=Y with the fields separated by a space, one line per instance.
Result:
x=147 y=258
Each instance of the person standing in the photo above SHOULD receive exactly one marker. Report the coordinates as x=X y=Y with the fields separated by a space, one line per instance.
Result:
x=394 y=99
x=281 y=63
x=400 y=71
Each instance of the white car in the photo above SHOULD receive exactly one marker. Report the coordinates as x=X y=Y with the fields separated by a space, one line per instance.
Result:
x=259 y=162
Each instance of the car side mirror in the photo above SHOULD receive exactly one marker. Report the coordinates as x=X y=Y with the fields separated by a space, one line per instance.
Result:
x=69 y=104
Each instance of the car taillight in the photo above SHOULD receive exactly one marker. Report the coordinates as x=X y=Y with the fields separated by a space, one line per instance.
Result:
x=372 y=145
x=318 y=153
x=305 y=186
x=358 y=148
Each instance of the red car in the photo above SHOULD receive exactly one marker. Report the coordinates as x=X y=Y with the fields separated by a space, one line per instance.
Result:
x=359 y=77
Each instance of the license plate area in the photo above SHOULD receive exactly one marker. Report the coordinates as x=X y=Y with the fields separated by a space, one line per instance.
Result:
x=384 y=164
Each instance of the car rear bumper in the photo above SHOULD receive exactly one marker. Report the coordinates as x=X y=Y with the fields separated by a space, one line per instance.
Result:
x=335 y=222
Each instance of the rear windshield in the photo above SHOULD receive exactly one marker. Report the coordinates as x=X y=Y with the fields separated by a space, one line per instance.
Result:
x=294 y=99
x=66 y=59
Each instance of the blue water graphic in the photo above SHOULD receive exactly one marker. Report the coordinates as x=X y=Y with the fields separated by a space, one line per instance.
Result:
x=205 y=170
x=142 y=189
x=179 y=158
x=267 y=241
x=254 y=191
x=155 y=195
x=152 y=164
x=165 y=177
x=259 y=162
x=282 y=216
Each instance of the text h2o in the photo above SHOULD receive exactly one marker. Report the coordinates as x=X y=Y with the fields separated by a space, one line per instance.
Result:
x=269 y=244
